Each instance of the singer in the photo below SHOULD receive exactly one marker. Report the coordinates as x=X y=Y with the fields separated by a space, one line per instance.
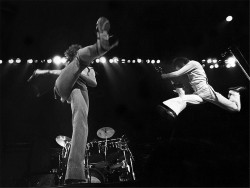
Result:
x=71 y=86
x=203 y=92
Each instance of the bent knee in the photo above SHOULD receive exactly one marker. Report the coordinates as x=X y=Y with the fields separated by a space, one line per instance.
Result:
x=234 y=110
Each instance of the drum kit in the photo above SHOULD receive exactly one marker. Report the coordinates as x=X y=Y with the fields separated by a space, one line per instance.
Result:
x=106 y=161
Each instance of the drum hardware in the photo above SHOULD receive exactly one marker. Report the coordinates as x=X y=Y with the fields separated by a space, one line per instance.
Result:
x=106 y=161
x=63 y=140
x=105 y=133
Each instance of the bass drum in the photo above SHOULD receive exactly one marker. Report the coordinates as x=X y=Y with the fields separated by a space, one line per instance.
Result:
x=96 y=176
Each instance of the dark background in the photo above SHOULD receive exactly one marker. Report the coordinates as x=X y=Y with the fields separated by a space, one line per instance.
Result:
x=205 y=146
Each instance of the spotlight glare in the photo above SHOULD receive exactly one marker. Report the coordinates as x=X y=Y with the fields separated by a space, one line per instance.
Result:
x=11 y=61
x=152 y=61
x=133 y=61
x=203 y=60
x=158 y=61
x=57 y=60
x=1 y=61
x=211 y=66
x=229 y=18
x=216 y=66
x=103 y=60
x=231 y=62
x=30 y=61
x=148 y=61
x=49 y=61
x=128 y=61
x=97 y=60
x=63 y=60
x=209 y=60
x=111 y=60
x=115 y=59
x=203 y=65
x=138 y=60
x=18 y=60
x=233 y=65
x=214 y=60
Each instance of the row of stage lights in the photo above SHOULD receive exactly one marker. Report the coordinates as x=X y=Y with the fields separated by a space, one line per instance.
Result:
x=62 y=60
x=214 y=63
x=210 y=62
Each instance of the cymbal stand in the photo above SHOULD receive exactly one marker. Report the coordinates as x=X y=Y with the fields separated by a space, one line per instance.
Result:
x=105 y=148
x=87 y=165
x=131 y=158
x=132 y=167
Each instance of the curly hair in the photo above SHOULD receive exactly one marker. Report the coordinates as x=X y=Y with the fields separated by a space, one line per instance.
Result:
x=179 y=61
x=71 y=52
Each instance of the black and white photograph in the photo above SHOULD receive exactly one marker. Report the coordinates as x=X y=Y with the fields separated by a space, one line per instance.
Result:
x=124 y=93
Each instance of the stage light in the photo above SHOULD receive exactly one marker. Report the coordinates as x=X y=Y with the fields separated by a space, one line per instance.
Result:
x=97 y=60
x=229 y=18
x=203 y=61
x=49 y=60
x=209 y=60
x=123 y=60
x=203 y=65
x=30 y=61
x=133 y=61
x=216 y=66
x=128 y=61
x=231 y=62
x=63 y=60
x=18 y=60
x=211 y=66
x=158 y=61
x=111 y=60
x=139 y=60
x=1 y=61
x=116 y=60
x=103 y=60
x=214 y=60
x=57 y=60
x=152 y=61
x=11 y=61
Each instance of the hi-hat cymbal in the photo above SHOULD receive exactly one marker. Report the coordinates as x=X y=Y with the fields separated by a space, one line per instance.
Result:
x=63 y=140
x=105 y=132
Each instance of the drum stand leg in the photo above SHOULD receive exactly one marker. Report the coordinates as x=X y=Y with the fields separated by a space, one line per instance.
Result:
x=131 y=158
x=87 y=167
x=132 y=168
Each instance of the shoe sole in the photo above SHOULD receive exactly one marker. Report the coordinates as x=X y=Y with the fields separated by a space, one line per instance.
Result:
x=164 y=113
x=103 y=24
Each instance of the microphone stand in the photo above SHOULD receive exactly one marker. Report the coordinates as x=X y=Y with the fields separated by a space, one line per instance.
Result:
x=243 y=70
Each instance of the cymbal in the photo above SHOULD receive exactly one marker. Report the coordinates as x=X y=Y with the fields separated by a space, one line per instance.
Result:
x=105 y=132
x=63 y=140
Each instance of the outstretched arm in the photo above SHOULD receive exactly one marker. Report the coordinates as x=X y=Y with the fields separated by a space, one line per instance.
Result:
x=43 y=72
x=56 y=72
x=187 y=68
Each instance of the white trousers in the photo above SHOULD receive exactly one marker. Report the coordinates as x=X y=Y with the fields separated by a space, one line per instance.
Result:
x=178 y=104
